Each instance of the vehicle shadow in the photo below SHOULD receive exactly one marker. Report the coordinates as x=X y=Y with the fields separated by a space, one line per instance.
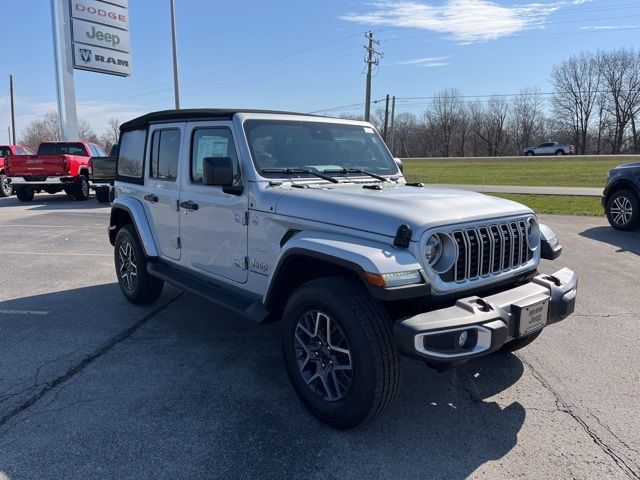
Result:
x=195 y=389
x=57 y=201
x=625 y=241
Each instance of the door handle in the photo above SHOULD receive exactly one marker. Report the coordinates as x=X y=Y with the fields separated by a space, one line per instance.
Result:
x=189 y=205
x=151 y=198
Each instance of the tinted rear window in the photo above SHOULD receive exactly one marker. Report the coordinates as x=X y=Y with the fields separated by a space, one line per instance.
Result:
x=62 y=149
x=131 y=155
x=4 y=152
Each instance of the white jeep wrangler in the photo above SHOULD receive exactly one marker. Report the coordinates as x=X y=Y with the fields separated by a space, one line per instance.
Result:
x=308 y=219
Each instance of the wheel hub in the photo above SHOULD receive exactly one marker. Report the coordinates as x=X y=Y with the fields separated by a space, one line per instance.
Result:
x=621 y=210
x=323 y=355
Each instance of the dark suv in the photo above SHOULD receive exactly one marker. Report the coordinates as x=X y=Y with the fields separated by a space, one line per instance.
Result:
x=621 y=197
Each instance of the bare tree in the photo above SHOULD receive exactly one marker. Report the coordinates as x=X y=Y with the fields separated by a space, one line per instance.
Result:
x=620 y=71
x=444 y=118
x=111 y=134
x=38 y=131
x=528 y=120
x=48 y=130
x=576 y=82
x=488 y=122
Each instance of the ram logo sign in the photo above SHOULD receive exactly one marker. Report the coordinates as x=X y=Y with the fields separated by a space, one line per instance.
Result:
x=100 y=35
x=85 y=55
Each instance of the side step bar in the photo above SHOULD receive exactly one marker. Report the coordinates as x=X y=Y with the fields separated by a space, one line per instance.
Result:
x=249 y=308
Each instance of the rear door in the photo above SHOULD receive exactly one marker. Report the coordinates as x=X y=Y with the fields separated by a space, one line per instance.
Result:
x=214 y=236
x=162 y=188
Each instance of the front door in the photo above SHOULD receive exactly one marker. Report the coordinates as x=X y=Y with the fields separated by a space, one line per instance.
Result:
x=162 y=188
x=213 y=226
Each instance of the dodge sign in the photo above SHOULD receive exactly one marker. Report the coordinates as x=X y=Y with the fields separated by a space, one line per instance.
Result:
x=100 y=36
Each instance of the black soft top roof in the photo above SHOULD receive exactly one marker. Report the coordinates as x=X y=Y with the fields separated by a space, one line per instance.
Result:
x=191 y=114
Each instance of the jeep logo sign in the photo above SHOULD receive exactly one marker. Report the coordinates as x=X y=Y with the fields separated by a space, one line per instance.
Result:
x=101 y=60
x=100 y=35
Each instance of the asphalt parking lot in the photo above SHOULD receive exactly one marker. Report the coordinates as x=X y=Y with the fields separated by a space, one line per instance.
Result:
x=93 y=387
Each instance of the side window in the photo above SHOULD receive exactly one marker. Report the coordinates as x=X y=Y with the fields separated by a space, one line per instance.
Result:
x=21 y=151
x=94 y=151
x=101 y=152
x=212 y=142
x=131 y=157
x=165 y=149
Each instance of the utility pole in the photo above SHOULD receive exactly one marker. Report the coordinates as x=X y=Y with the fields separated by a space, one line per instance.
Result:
x=386 y=118
x=13 y=112
x=393 y=114
x=372 y=59
x=176 y=89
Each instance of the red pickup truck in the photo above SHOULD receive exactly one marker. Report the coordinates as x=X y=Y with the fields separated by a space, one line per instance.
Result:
x=57 y=166
x=6 y=189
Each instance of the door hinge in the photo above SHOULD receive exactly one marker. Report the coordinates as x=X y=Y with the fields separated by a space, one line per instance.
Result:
x=241 y=262
x=242 y=217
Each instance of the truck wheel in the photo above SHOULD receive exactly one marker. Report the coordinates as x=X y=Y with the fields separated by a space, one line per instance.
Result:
x=529 y=153
x=131 y=269
x=102 y=194
x=559 y=152
x=339 y=352
x=6 y=189
x=519 y=343
x=24 y=194
x=81 y=188
x=623 y=210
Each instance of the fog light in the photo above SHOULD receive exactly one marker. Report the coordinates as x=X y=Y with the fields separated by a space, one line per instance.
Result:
x=462 y=339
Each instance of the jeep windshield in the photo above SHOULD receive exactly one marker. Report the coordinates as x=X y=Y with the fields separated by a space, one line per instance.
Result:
x=306 y=148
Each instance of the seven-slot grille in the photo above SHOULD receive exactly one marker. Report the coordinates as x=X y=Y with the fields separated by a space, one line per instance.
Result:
x=488 y=250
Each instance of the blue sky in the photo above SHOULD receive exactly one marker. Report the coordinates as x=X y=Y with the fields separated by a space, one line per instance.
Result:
x=308 y=56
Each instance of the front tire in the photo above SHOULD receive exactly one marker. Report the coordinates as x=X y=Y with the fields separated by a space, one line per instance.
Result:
x=339 y=352
x=81 y=189
x=25 y=194
x=6 y=189
x=135 y=282
x=623 y=210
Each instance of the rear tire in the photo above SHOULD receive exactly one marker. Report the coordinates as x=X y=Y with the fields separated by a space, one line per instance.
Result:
x=25 y=194
x=102 y=194
x=623 y=210
x=519 y=343
x=130 y=261
x=81 y=188
x=6 y=189
x=322 y=320
x=530 y=153
x=559 y=152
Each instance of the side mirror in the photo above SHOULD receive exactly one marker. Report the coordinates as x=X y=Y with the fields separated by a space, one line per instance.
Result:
x=217 y=171
x=400 y=165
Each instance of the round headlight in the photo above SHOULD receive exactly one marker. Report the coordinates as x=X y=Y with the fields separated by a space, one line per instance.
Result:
x=533 y=233
x=433 y=249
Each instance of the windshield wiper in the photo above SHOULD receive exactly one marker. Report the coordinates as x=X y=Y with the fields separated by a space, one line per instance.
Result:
x=293 y=171
x=357 y=170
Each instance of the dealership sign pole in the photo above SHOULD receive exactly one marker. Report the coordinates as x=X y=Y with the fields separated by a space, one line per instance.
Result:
x=62 y=54
x=88 y=35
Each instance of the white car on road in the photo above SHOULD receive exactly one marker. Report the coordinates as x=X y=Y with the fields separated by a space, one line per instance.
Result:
x=550 y=148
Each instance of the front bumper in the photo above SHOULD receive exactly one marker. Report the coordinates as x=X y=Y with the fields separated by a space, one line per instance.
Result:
x=489 y=322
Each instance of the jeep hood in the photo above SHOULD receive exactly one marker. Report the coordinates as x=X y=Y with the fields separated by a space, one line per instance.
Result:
x=383 y=211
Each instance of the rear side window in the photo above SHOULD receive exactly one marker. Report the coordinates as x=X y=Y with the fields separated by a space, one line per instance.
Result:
x=165 y=149
x=131 y=155
x=4 y=152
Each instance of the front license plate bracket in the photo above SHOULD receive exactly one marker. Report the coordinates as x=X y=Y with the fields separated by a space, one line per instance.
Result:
x=532 y=315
